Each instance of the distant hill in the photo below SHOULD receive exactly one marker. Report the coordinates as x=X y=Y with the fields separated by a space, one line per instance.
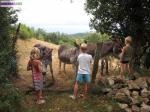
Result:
x=78 y=35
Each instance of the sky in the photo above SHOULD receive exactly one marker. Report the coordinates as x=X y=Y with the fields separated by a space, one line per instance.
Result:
x=55 y=15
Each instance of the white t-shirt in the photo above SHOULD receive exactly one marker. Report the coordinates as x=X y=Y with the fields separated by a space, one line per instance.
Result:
x=84 y=61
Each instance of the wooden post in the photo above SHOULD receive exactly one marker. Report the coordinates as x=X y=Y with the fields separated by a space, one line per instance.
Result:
x=96 y=60
x=16 y=36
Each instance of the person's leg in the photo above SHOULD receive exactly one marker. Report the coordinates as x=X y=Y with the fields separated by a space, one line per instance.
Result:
x=78 y=79
x=122 y=66
x=40 y=97
x=76 y=89
x=87 y=81
x=37 y=95
x=85 y=90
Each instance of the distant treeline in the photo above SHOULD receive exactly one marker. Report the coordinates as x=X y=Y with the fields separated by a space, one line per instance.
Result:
x=60 y=38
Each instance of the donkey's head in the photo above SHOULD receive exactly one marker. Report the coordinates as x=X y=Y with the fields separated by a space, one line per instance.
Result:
x=117 y=45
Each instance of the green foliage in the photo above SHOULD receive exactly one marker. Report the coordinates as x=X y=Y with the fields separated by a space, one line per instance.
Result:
x=96 y=37
x=10 y=99
x=54 y=37
x=124 y=17
x=8 y=53
x=26 y=32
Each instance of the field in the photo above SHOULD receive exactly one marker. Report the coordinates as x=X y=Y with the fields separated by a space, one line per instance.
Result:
x=56 y=100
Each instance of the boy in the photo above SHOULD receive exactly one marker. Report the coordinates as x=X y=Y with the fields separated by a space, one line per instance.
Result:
x=125 y=57
x=83 y=75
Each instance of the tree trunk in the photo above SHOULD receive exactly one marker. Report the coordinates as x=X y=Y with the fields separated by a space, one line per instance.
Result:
x=96 y=60
x=136 y=53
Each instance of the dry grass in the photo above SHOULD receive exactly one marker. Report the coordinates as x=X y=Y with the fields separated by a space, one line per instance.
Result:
x=56 y=102
x=23 y=48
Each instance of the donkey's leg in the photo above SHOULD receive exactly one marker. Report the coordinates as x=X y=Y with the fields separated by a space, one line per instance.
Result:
x=51 y=70
x=75 y=68
x=102 y=66
x=44 y=69
x=59 y=66
x=106 y=63
x=64 y=68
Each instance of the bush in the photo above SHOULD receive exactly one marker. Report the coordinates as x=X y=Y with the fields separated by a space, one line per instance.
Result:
x=96 y=37
x=26 y=32
x=10 y=99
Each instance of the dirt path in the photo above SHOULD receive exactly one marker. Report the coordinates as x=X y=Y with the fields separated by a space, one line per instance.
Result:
x=23 y=51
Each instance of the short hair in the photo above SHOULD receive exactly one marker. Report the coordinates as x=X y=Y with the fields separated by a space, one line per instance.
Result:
x=128 y=39
x=83 y=47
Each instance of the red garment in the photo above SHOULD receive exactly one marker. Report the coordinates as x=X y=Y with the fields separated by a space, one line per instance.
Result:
x=36 y=71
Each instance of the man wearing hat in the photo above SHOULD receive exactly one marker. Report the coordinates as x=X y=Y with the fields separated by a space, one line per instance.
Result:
x=83 y=75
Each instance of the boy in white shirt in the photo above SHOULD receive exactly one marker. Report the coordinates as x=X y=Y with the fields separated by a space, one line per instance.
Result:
x=83 y=76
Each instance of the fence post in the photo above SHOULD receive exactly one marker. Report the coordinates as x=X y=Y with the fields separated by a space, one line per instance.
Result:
x=96 y=60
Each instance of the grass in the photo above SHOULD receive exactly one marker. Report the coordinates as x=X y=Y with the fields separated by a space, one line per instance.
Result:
x=62 y=103
x=55 y=101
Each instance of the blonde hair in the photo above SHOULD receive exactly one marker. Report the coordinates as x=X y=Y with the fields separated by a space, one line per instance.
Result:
x=83 y=47
x=128 y=39
x=35 y=53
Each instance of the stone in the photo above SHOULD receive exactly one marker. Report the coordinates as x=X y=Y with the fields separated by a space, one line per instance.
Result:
x=122 y=98
x=128 y=110
x=125 y=91
x=145 y=108
x=119 y=81
x=133 y=86
x=145 y=93
x=123 y=106
x=103 y=82
x=135 y=108
x=111 y=82
x=137 y=84
x=137 y=100
x=135 y=94
x=106 y=90
x=146 y=100
x=141 y=82
x=112 y=93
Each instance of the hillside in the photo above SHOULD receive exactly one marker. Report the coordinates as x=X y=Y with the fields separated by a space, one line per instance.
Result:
x=23 y=48
x=56 y=101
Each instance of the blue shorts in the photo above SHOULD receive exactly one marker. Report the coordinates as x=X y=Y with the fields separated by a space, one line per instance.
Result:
x=83 y=78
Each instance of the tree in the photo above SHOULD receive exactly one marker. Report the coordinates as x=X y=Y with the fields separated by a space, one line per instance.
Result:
x=124 y=17
x=7 y=49
x=10 y=97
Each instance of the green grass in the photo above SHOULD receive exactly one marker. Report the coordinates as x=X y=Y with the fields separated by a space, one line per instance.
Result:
x=62 y=103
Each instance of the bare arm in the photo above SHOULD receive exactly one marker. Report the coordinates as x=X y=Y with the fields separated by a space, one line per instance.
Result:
x=29 y=66
x=40 y=66
x=122 y=54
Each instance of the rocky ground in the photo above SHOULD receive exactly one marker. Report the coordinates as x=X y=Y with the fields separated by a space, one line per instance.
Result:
x=131 y=95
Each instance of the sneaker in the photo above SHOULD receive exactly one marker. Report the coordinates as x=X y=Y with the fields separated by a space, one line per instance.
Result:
x=40 y=102
x=72 y=97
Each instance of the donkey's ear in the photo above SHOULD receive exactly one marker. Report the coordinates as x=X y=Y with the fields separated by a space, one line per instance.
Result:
x=76 y=44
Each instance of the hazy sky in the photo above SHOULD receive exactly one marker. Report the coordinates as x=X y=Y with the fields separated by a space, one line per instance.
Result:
x=55 y=15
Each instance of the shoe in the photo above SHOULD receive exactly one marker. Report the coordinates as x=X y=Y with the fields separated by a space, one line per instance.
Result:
x=40 y=102
x=72 y=97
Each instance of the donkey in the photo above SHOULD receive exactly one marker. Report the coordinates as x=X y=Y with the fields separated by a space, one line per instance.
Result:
x=68 y=56
x=108 y=47
x=46 y=59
